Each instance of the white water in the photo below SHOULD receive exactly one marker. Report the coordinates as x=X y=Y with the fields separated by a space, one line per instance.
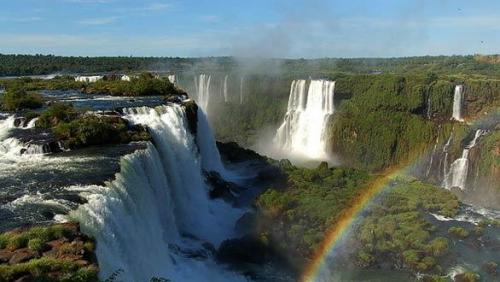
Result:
x=202 y=85
x=459 y=169
x=303 y=130
x=140 y=218
x=226 y=99
x=5 y=126
x=172 y=79
x=241 y=90
x=458 y=103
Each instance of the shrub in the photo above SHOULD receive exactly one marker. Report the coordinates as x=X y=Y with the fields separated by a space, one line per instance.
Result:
x=18 y=99
x=36 y=245
x=458 y=232
x=55 y=114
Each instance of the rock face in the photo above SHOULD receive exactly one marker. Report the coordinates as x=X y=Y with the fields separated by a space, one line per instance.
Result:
x=246 y=249
x=219 y=187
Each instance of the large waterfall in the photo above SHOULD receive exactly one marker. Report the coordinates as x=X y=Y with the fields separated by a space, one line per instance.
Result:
x=456 y=176
x=202 y=86
x=155 y=218
x=303 y=130
x=458 y=103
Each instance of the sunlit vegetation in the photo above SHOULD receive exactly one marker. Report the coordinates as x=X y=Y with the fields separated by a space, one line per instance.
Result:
x=76 y=129
x=18 y=99
x=396 y=229
x=295 y=217
x=57 y=252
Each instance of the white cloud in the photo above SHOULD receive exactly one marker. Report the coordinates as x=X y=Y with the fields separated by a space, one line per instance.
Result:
x=157 y=7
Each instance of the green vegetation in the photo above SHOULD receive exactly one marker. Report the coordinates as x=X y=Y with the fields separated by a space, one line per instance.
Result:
x=57 y=252
x=18 y=99
x=145 y=84
x=40 y=269
x=78 y=129
x=395 y=229
x=295 y=218
x=98 y=130
x=458 y=232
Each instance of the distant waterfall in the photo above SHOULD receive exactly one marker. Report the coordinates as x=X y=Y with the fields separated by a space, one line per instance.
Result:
x=202 y=85
x=241 y=90
x=302 y=131
x=139 y=220
x=456 y=176
x=172 y=79
x=226 y=99
x=458 y=103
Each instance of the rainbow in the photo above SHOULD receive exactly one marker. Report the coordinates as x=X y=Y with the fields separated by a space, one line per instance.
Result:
x=343 y=225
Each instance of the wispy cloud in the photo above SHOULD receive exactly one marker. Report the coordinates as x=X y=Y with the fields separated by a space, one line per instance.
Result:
x=21 y=19
x=98 y=21
x=157 y=7
x=89 y=1
x=210 y=19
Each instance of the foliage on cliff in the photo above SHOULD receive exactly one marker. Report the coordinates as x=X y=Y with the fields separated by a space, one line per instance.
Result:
x=396 y=229
x=296 y=216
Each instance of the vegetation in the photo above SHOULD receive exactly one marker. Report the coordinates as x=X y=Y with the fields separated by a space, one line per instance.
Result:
x=57 y=252
x=295 y=217
x=395 y=229
x=18 y=99
x=145 y=84
x=77 y=129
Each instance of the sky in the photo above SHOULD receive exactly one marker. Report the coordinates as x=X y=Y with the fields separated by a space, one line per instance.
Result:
x=256 y=28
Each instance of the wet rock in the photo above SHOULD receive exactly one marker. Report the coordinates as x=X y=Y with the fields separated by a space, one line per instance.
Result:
x=247 y=223
x=232 y=152
x=220 y=188
x=243 y=250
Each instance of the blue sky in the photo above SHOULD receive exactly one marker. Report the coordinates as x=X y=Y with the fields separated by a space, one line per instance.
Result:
x=280 y=28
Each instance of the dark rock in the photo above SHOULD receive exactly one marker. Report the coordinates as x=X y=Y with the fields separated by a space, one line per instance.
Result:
x=232 y=152
x=243 y=250
x=247 y=223
x=220 y=188
x=25 y=278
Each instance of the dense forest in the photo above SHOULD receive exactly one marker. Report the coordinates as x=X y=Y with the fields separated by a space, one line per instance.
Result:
x=17 y=65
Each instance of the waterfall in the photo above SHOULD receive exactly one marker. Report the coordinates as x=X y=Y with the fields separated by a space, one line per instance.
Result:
x=225 y=89
x=302 y=131
x=153 y=219
x=202 y=85
x=457 y=103
x=172 y=79
x=459 y=169
x=5 y=126
x=241 y=90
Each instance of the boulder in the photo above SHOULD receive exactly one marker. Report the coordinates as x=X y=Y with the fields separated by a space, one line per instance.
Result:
x=220 y=188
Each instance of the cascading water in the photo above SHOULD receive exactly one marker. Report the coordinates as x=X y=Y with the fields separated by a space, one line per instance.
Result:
x=152 y=220
x=302 y=131
x=202 y=85
x=457 y=103
x=226 y=99
x=459 y=169
x=241 y=90
x=172 y=79
x=5 y=126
